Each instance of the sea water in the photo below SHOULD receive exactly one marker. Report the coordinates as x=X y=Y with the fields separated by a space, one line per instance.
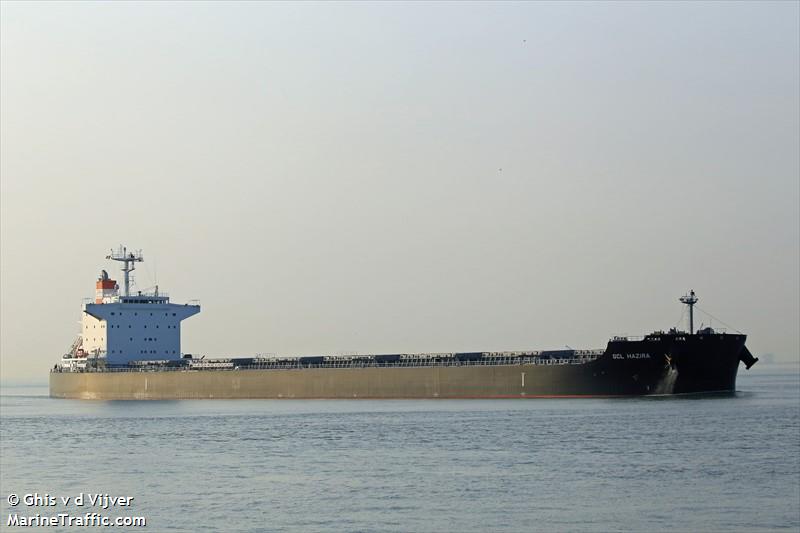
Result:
x=698 y=463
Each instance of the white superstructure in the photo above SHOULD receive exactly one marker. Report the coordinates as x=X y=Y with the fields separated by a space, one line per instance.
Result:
x=120 y=328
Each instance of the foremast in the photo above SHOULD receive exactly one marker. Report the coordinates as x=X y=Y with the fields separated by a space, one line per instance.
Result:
x=690 y=299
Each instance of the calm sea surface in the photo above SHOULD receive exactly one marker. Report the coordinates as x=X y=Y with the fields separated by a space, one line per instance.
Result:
x=669 y=464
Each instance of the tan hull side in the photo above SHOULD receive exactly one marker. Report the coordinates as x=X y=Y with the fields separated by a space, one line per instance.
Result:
x=420 y=382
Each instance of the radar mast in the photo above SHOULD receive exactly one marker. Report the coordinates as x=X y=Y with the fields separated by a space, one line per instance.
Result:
x=129 y=259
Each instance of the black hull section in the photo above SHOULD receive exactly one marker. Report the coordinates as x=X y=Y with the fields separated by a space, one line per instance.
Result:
x=666 y=364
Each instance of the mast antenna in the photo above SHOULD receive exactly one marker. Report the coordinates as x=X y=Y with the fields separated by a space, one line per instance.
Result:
x=129 y=260
x=690 y=299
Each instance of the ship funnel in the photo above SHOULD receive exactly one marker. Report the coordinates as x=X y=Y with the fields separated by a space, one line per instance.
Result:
x=105 y=289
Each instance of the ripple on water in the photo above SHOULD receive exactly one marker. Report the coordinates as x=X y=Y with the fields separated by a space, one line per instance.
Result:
x=561 y=465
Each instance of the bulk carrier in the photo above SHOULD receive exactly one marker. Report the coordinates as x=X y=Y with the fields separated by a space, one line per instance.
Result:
x=129 y=349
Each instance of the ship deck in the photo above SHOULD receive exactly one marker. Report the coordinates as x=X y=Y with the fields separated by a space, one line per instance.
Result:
x=576 y=357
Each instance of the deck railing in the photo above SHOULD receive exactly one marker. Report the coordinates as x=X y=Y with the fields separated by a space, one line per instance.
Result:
x=585 y=357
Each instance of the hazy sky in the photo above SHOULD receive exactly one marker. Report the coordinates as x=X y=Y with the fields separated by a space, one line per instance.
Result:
x=385 y=177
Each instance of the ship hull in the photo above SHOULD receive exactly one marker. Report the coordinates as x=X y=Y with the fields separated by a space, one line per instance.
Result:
x=658 y=365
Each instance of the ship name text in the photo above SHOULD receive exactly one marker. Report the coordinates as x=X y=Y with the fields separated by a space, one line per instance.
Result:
x=630 y=356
